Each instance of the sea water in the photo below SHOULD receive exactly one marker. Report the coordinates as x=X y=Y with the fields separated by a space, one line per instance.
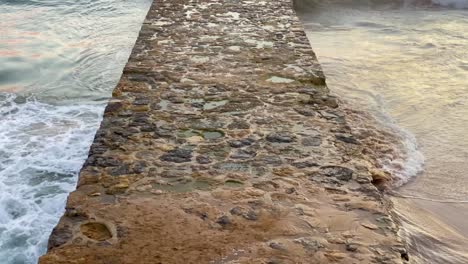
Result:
x=407 y=62
x=59 y=61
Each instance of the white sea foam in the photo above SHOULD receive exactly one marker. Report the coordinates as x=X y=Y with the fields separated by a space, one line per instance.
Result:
x=409 y=161
x=42 y=147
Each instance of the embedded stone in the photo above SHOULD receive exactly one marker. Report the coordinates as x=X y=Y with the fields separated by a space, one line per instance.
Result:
x=305 y=164
x=340 y=173
x=281 y=137
x=312 y=141
x=347 y=139
x=177 y=155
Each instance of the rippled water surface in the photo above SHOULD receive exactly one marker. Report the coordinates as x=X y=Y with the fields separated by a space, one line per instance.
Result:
x=59 y=60
x=409 y=65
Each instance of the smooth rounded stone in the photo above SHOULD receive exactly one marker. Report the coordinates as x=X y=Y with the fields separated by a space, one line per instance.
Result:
x=241 y=143
x=250 y=215
x=326 y=100
x=347 y=139
x=351 y=247
x=280 y=137
x=147 y=128
x=164 y=132
x=246 y=214
x=177 y=155
x=340 y=173
x=243 y=154
x=311 y=141
x=124 y=169
x=273 y=161
x=212 y=134
x=215 y=152
x=141 y=101
x=276 y=245
x=139 y=167
x=107 y=162
x=197 y=105
x=239 y=124
x=233 y=166
x=223 y=220
x=305 y=112
x=309 y=243
x=187 y=133
x=305 y=164
x=203 y=159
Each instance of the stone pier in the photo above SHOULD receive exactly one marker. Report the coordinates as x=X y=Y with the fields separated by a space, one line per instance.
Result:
x=221 y=144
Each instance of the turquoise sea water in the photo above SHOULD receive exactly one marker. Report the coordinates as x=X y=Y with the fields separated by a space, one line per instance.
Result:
x=59 y=61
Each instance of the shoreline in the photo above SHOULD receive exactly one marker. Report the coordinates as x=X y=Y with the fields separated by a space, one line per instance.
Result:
x=221 y=144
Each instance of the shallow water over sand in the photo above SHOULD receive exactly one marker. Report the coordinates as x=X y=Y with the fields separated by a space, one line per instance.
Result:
x=409 y=66
x=59 y=61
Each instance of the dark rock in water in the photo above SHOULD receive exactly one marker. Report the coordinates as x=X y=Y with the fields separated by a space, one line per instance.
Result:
x=347 y=139
x=340 y=173
x=177 y=156
x=281 y=137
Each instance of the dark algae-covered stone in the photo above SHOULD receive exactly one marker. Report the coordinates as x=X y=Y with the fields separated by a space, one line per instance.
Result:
x=280 y=137
x=177 y=155
x=222 y=144
x=341 y=173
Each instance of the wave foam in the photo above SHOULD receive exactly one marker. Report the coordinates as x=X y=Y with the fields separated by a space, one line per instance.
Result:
x=42 y=148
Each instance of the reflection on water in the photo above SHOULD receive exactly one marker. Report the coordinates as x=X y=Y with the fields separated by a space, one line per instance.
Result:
x=410 y=63
x=59 y=60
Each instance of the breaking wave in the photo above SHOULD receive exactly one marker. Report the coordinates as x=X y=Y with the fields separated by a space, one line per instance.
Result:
x=43 y=148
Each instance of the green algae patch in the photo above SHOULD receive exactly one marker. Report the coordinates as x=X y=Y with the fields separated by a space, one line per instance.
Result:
x=186 y=186
x=233 y=184
x=205 y=134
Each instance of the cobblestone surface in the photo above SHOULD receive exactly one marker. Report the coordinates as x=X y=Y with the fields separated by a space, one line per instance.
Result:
x=221 y=144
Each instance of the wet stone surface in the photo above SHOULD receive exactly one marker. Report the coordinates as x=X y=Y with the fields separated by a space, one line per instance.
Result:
x=221 y=144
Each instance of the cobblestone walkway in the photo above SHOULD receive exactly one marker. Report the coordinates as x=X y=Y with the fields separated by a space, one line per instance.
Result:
x=221 y=144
